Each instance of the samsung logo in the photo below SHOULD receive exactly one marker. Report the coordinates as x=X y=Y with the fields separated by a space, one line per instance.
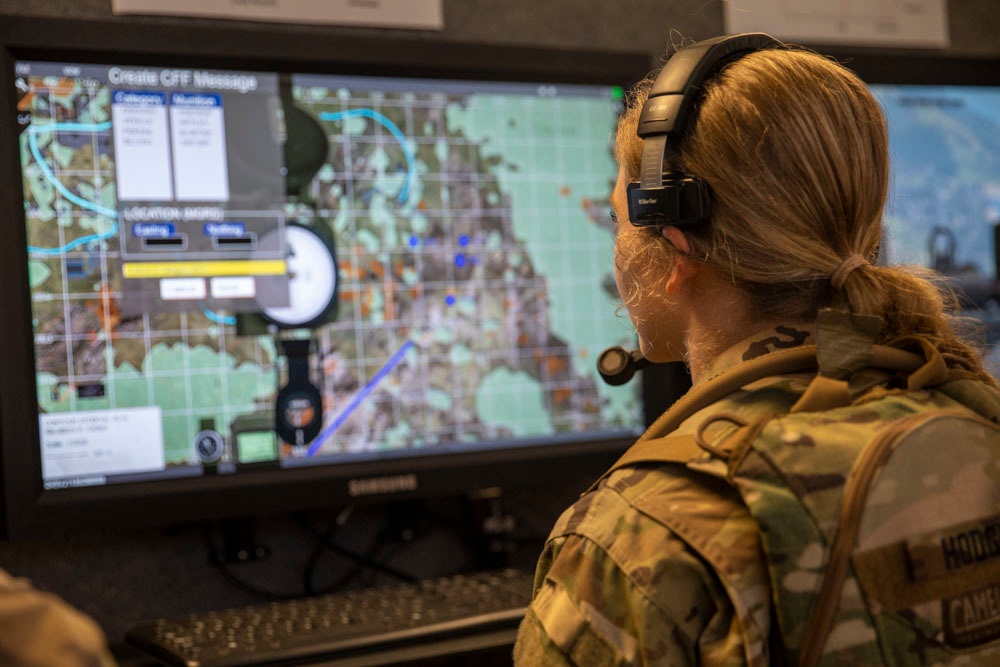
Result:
x=370 y=486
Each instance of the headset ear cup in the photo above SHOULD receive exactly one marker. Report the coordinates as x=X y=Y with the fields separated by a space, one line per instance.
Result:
x=681 y=201
x=298 y=413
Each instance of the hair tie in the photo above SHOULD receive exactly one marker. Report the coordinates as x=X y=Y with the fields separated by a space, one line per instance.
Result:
x=850 y=263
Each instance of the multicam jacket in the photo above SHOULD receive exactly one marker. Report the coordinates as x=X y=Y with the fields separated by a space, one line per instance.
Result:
x=614 y=585
x=662 y=562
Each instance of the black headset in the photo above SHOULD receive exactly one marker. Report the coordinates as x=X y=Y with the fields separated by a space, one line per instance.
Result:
x=675 y=198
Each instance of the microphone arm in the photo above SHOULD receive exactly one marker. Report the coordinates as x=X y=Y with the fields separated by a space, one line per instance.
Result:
x=617 y=365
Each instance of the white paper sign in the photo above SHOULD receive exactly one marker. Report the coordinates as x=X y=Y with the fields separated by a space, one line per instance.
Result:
x=910 y=23
x=420 y=14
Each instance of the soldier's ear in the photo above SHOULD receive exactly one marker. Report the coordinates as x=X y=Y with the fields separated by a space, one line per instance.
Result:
x=684 y=267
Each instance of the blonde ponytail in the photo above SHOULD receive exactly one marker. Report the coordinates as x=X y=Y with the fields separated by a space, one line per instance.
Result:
x=795 y=149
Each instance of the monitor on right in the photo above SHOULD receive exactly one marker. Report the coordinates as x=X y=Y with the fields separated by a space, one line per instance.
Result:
x=943 y=209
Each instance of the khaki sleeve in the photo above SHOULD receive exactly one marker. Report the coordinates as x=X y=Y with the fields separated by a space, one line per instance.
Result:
x=558 y=630
x=40 y=630
x=533 y=647
x=589 y=609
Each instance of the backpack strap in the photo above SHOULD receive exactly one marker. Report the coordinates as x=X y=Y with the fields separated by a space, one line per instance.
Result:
x=779 y=362
x=660 y=445
x=844 y=347
x=793 y=360
x=973 y=394
x=827 y=393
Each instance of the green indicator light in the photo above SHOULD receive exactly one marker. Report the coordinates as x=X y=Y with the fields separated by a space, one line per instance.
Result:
x=617 y=92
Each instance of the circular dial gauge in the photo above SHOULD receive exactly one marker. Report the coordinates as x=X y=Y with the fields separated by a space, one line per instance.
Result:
x=312 y=280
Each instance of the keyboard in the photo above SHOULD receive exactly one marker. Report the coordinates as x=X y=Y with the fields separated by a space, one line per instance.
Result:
x=345 y=624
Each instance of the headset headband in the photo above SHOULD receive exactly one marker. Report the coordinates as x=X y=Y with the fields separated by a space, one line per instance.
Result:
x=678 y=199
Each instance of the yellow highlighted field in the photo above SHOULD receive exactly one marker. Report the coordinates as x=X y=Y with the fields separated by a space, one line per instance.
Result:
x=231 y=267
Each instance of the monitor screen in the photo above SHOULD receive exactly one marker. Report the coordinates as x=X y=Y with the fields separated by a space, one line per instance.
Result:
x=944 y=202
x=242 y=279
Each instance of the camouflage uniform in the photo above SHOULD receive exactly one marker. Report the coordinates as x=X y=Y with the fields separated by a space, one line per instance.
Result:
x=882 y=537
x=615 y=585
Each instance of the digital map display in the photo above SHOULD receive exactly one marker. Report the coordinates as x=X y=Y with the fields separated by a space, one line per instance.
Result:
x=473 y=260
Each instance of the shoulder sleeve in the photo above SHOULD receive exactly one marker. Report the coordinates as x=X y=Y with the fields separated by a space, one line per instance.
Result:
x=616 y=587
x=39 y=628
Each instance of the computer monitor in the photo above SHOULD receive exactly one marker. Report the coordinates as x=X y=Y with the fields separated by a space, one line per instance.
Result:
x=240 y=284
x=943 y=210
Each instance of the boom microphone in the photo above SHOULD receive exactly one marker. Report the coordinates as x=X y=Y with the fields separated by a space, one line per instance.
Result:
x=617 y=365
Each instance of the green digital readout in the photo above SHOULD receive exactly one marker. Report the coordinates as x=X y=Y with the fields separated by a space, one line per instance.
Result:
x=257 y=447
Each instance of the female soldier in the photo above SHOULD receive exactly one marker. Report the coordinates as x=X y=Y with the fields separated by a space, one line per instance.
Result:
x=662 y=563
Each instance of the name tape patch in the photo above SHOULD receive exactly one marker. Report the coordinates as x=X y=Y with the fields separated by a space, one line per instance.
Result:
x=972 y=618
x=954 y=549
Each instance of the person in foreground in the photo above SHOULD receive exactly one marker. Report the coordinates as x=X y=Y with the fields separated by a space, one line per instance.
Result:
x=39 y=629
x=829 y=489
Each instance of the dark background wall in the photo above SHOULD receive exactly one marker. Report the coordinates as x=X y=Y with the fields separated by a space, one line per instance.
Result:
x=123 y=577
x=644 y=26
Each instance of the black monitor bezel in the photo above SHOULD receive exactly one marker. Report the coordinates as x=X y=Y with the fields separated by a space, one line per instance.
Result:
x=28 y=509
